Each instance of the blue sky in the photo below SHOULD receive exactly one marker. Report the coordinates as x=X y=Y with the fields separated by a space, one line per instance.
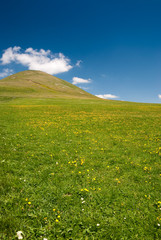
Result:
x=109 y=48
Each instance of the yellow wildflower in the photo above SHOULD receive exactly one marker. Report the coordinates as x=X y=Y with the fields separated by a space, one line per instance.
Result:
x=86 y=190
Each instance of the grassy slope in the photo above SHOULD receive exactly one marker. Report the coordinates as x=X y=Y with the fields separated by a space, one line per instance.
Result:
x=80 y=169
x=39 y=84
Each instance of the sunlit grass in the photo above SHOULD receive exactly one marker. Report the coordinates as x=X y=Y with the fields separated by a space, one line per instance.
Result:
x=86 y=169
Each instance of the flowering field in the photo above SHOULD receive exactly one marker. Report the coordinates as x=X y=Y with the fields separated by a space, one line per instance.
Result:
x=80 y=169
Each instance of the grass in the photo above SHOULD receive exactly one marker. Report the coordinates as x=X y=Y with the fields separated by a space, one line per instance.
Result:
x=80 y=169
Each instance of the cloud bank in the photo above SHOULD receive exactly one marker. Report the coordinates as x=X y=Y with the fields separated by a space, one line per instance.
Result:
x=159 y=96
x=37 y=60
x=6 y=72
x=107 y=96
x=77 y=80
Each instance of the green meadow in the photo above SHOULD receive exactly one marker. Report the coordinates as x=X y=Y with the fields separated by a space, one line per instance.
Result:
x=85 y=169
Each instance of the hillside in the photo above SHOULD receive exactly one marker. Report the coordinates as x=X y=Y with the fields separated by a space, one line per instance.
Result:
x=74 y=168
x=37 y=84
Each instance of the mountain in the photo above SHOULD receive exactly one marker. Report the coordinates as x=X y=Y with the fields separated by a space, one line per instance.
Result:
x=39 y=84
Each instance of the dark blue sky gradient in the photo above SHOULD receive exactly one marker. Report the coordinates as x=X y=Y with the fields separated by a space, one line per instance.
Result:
x=119 y=42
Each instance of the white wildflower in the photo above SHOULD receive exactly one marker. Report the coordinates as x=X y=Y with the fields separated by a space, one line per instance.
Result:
x=19 y=235
x=98 y=224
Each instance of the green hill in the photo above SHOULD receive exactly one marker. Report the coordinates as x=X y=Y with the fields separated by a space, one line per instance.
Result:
x=37 y=84
x=74 y=168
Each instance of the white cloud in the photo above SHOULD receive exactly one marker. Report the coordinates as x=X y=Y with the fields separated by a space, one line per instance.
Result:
x=6 y=72
x=78 y=63
x=37 y=60
x=159 y=96
x=77 y=80
x=107 y=96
